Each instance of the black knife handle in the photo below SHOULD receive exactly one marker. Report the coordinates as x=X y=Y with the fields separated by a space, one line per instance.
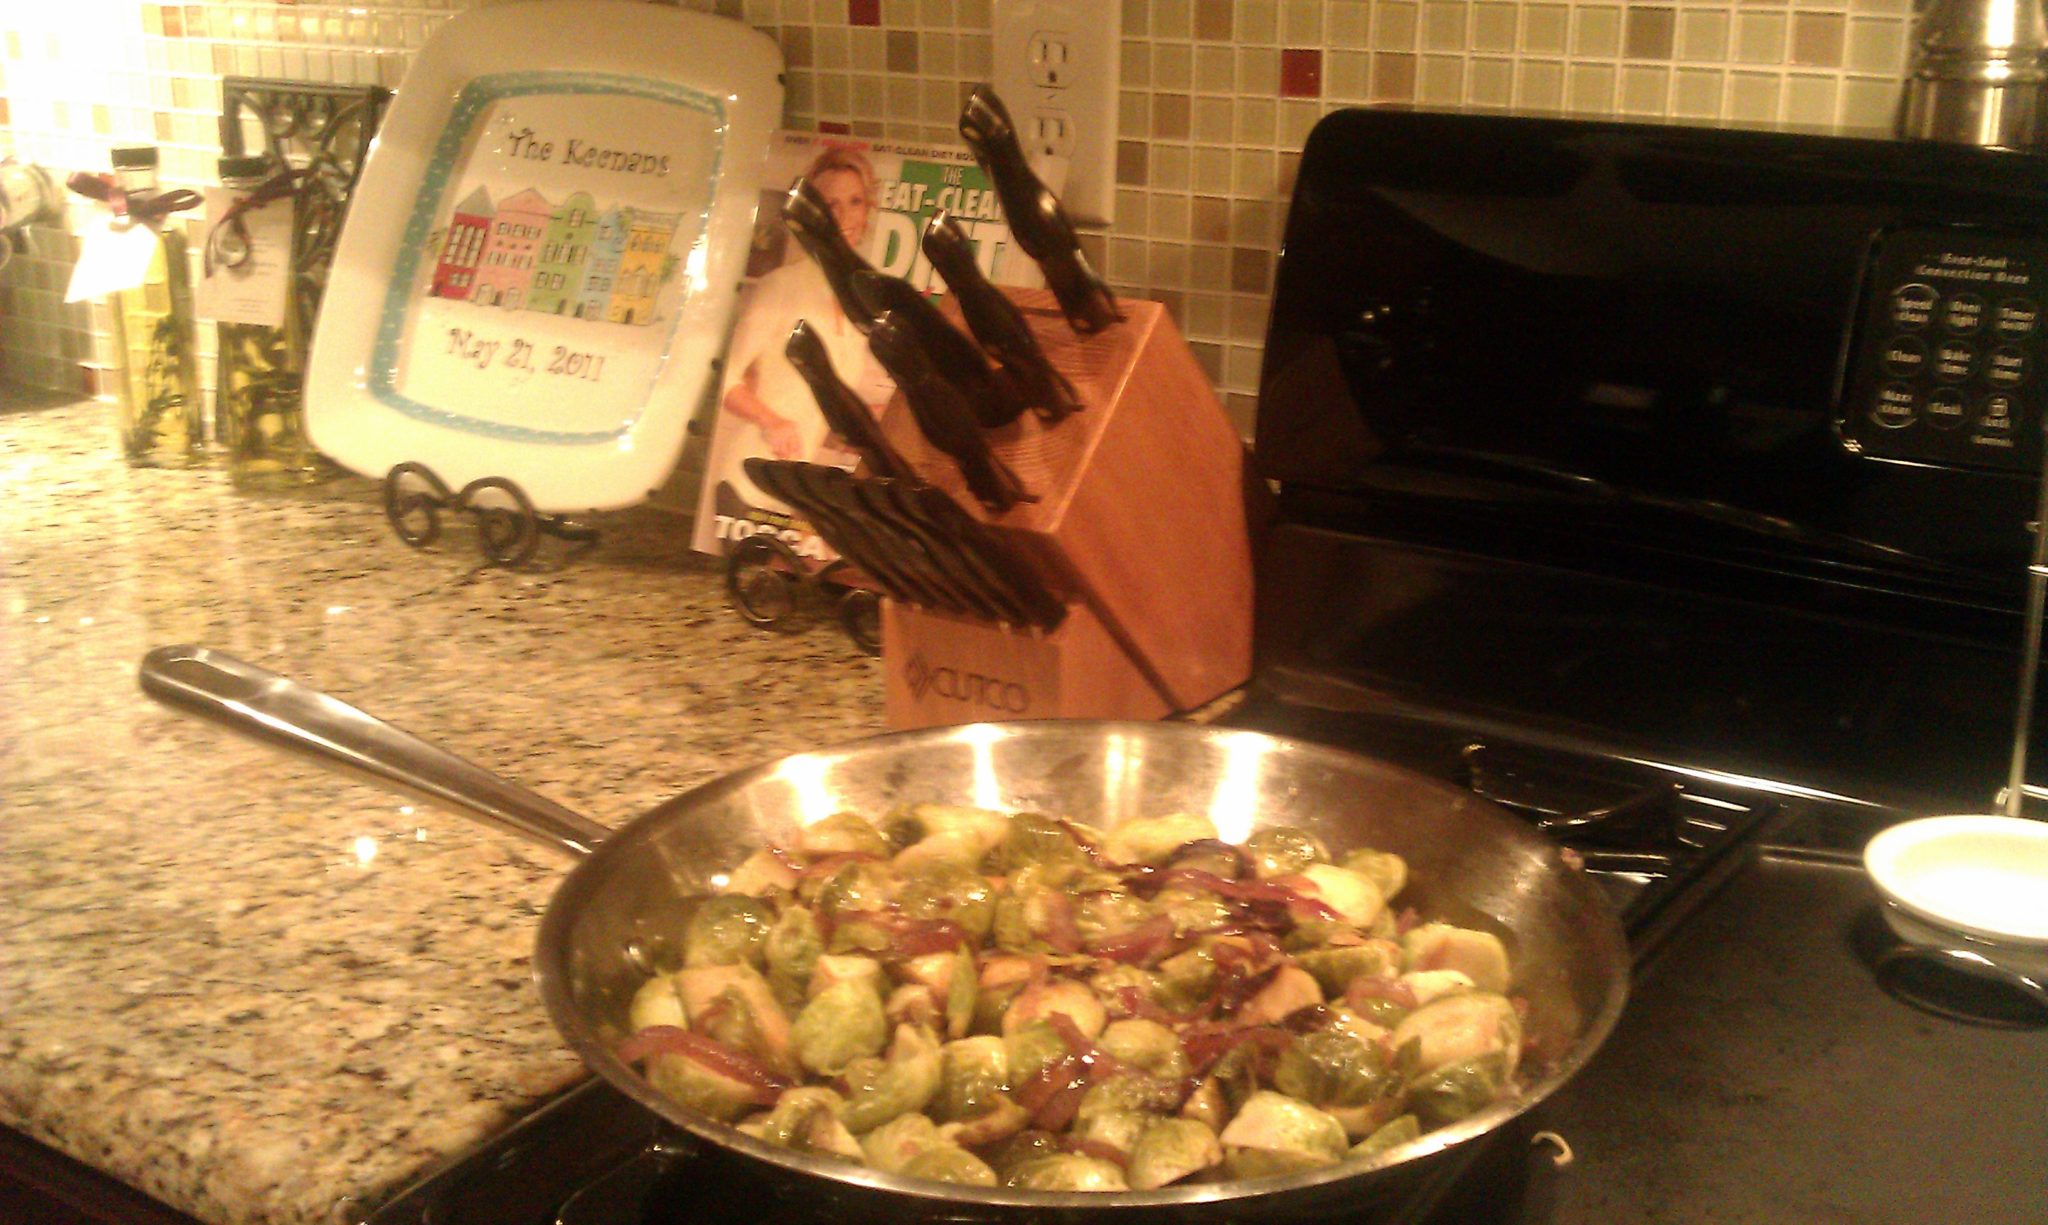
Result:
x=1037 y=221
x=943 y=414
x=809 y=219
x=950 y=351
x=996 y=322
x=844 y=411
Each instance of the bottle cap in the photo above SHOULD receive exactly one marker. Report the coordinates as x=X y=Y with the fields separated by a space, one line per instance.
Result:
x=244 y=166
x=135 y=157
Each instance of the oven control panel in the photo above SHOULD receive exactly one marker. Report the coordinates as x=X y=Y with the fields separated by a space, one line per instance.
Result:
x=1950 y=361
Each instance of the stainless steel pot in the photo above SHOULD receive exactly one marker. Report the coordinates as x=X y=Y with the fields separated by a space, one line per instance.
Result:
x=618 y=914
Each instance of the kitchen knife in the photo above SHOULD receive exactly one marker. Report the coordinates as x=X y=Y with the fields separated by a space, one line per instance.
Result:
x=809 y=218
x=952 y=352
x=855 y=546
x=943 y=413
x=907 y=550
x=874 y=494
x=1037 y=221
x=988 y=553
x=996 y=322
x=845 y=412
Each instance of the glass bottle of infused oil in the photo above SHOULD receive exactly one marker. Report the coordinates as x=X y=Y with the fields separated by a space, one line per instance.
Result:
x=259 y=378
x=160 y=417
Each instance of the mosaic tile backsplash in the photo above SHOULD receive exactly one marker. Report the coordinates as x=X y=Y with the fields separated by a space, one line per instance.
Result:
x=1217 y=97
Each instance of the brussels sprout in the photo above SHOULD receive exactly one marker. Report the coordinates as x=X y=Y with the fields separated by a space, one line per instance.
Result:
x=832 y=969
x=1462 y=1027
x=1477 y=955
x=1021 y=1150
x=657 y=1003
x=1282 y=849
x=943 y=834
x=1248 y=1163
x=881 y=1089
x=1001 y=979
x=946 y=852
x=806 y=1119
x=1310 y=934
x=1034 y=838
x=1384 y=869
x=1061 y=995
x=1004 y=1119
x=1455 y=1090
x=1236 y=1074
x=1356 y=900
x=1119 y=1129
x=1030 y=1049
x=1290 y=990
x=1187 y=978
x=761 y=873
x=958 y=895
x=1276 y=1123
x=1341 y=1018
x=1069 y=1172
x=727 y=929
x=912 y=1004
x=1330 y=1068
x=1170 y=1150
x=698 y=1087
x=1149 y=839
x=1334 y=968
x=792 y=951
x=842 y=1023
x=890 y=1147
x=1107 y=913
x=1384 y=1013
x=1146 y=1045
x=842 y=833
x=1110 y=983
x=950 y=1163
x=973 y=1073
x=1130 y=1093
x=858 y=887
x=1428 y=985
x=961 y=991
x=736 y=1006
x=1389 y=1135
x=1206 y=1105
x=1193 y=910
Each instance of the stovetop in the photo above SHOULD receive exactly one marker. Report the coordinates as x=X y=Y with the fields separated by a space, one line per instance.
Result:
x=1760 y=1072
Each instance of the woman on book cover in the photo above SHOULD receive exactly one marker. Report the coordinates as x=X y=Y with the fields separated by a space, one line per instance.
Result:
x=767 y=407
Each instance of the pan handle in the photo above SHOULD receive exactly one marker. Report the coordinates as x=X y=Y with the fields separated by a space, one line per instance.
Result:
x=268 y=707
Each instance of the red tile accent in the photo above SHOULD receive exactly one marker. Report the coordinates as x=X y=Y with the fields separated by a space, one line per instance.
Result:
x=835 y=127
x=864 y=12
x=88 y=380
x=174 y=21
x=1301 y=72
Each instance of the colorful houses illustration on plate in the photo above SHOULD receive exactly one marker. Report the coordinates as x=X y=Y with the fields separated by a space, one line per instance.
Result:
x=559 y=259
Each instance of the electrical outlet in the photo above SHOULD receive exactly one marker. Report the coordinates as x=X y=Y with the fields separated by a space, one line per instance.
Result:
x=1056 y=70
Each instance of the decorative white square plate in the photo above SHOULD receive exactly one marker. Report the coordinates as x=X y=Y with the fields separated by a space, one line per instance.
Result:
x=541 y=259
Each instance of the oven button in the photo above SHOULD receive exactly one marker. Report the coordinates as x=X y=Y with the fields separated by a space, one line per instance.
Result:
x=1953 y=361
x=1996 y=419
x=2007 y=367
x=2015 y=319
x=1945 y=408
x=1897 y=406
x=1963 y=314
x=1904 y=356
x=1912 y=306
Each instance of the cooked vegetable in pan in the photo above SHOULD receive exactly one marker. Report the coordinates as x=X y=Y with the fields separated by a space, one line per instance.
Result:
x=986 y=998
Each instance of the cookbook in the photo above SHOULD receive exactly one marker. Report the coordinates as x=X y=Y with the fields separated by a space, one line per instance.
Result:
x=881 y=194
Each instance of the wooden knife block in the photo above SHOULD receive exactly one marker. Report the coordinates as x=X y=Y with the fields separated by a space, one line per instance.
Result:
x=1140 y=522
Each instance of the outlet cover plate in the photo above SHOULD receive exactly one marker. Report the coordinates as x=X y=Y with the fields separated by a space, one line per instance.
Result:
x=1055 y=67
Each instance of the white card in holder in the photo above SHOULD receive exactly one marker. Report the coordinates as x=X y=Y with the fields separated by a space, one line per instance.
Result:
x=112 y=256
x=247 y=284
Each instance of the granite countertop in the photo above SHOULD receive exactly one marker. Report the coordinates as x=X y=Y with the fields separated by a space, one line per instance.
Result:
x=257 y=990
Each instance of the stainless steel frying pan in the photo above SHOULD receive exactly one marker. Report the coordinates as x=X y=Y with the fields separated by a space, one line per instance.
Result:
x=618 y=916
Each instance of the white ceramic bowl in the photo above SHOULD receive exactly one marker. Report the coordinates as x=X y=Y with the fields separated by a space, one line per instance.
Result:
x=1983 y=876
